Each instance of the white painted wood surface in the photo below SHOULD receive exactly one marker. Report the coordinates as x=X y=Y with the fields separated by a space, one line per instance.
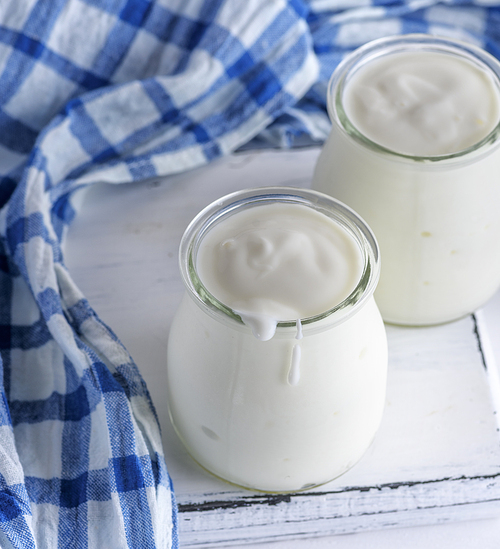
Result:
x=437 y=455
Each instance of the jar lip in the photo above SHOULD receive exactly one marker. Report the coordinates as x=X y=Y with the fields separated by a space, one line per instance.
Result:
x=407 y=43
x=336 y=210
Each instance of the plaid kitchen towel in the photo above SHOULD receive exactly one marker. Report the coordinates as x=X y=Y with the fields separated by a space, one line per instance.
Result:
x=117 y=91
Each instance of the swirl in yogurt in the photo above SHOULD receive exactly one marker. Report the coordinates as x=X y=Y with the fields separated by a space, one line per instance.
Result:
x=422 y=103
x=278 y=262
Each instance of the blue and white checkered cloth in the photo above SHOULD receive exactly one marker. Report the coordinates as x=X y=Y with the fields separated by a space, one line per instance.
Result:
x=118 y=91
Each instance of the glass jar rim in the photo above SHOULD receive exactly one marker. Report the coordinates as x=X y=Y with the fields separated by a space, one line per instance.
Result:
x=334 y=209
x=407 y=43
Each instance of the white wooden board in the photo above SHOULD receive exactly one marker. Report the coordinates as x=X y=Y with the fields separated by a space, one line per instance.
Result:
x=436 y=457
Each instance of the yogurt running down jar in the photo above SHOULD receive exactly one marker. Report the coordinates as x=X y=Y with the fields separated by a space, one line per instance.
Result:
x=414 y=149
x=277 y=355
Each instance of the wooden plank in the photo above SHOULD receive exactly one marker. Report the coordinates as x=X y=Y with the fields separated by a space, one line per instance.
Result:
x=437 y=455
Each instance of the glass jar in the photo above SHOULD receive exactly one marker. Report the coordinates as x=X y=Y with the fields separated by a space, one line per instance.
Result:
x=253 y=412
x=435 y=217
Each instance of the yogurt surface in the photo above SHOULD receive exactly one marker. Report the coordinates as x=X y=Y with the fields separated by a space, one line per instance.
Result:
x=422 y=104
x=278 y=262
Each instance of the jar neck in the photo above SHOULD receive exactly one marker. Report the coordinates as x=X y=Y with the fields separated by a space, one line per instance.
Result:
x=410 y=43
x=233 y=203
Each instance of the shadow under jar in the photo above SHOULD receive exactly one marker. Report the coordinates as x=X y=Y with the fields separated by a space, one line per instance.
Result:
x=414 y=148
x=278 y=404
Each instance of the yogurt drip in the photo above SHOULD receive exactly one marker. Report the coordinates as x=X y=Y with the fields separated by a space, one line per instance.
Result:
x=278 y=262
x=294 y=372
x=422 y=104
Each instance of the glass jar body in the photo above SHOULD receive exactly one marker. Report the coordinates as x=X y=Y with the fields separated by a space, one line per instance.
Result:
x=234 y=409
x=435 y=218
x=290 y=412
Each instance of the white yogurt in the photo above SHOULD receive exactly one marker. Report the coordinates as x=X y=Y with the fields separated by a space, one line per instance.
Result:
x=279 y=262
x=422 y=104
x=298 y=406
x=414 y=150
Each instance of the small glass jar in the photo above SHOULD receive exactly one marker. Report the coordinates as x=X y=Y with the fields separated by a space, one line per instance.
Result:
x=239 y=404
x=436 y=217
